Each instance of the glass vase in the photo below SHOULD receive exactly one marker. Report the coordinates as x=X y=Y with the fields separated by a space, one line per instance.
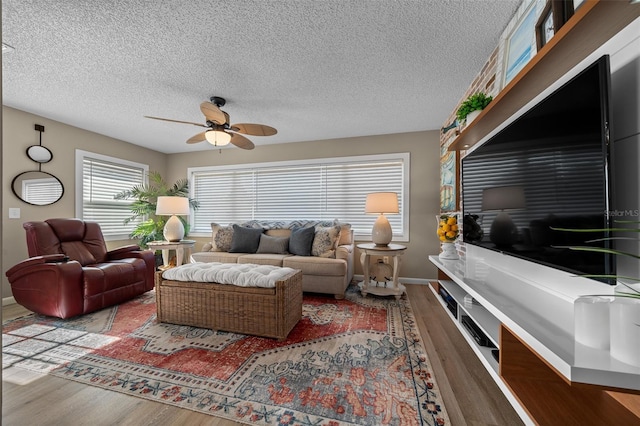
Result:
x=625 y=327
x=591 y=321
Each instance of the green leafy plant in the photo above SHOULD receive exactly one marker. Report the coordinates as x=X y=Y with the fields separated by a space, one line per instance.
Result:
x=477 y=101
x=630 y=291
x=144 y=206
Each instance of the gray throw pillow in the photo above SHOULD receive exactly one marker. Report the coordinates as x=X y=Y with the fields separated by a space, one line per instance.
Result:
x=245 y=240
x=301 y=240
x=274 y=245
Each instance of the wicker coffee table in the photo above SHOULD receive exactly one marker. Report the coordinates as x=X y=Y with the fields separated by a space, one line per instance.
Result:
x=265 y=312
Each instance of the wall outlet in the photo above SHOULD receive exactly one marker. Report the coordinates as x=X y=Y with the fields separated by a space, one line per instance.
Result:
x=14 y=213
x=385 y=259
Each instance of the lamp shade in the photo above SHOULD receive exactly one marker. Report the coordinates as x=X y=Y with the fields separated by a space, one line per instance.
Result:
x=167 y=206
x=381 y=202
x=217 y=137
x=503 y=198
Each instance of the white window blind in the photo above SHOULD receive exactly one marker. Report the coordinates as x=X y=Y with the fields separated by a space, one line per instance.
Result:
x=98 y=179
x=326 y=189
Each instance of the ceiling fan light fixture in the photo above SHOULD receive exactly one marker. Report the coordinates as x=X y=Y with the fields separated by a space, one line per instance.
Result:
x=217 y=137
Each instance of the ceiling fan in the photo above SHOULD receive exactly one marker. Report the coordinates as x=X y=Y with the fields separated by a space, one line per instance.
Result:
x=219 y=131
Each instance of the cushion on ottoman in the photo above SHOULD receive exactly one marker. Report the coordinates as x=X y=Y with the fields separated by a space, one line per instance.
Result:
x=242 y=275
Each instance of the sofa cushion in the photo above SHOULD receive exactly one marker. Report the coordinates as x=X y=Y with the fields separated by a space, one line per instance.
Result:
x=245 y=240
x=325 y=240
x=345 y=234
x=263 y=259
x=275 y=245
x=316 y=265
x=216 y=256
x=221 y=237
x=301 y=240
x=278 y=232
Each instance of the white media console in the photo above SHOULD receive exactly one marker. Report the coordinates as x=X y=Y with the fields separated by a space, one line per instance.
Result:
x=542 y=371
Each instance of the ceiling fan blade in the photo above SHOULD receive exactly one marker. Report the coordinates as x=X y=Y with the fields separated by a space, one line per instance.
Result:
x=176 y=121
x=241 y=142
x=213 y=113
x=254 y=129
x=197 y=138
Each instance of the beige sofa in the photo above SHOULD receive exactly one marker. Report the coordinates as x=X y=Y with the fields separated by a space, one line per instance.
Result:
x=326 y=268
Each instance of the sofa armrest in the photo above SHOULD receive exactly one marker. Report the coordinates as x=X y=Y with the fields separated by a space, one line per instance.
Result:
x=344 y=252
x=49 y=285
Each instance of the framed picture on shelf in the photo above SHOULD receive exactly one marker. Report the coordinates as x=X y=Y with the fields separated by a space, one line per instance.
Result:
x=520 y=44
x=449 y=179
x=553 y=16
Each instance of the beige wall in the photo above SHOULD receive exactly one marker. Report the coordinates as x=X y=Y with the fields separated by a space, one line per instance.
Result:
x=18 y=134
x=62 y=140
x=424 y=181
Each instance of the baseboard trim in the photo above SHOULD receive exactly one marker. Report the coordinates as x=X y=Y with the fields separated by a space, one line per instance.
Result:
x=8 y=301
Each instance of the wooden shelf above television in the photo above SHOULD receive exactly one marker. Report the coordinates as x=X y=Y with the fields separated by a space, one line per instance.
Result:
x=592 y=25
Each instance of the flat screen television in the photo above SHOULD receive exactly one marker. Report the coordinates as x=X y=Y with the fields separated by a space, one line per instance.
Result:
x=547 y=169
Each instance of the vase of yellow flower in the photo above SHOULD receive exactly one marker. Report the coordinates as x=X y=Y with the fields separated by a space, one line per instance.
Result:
x=448 y=234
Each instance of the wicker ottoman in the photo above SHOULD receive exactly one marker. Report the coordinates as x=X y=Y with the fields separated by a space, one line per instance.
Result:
x=266 y=312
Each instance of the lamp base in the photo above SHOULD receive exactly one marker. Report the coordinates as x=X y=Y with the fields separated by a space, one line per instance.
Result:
x=381 y=234
x=173 y=229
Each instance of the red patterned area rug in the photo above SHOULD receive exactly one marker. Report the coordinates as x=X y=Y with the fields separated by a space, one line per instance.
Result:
x=355 y=361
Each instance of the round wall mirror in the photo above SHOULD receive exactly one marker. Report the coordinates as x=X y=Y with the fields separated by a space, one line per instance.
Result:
x=37 y=188
x=39 y=154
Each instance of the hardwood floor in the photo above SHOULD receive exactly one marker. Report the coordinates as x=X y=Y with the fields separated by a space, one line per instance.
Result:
x=469 y=394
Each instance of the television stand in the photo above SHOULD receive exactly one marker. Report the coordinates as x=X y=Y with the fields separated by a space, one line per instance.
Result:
x=543 y=373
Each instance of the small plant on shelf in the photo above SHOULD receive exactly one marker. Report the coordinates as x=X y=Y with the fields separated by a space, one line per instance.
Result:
x=476 y=102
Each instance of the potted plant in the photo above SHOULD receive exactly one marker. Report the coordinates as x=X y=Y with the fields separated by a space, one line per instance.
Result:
x=144 y=206
x=471 y=107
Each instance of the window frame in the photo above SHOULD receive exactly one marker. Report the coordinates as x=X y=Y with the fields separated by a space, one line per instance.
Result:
x=404 y=200
x=81 y=155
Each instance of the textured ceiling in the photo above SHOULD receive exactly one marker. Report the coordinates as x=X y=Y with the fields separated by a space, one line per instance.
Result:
x=312 y=69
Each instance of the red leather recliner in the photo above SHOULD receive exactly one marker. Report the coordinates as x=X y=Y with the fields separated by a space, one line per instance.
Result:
x=70 y=272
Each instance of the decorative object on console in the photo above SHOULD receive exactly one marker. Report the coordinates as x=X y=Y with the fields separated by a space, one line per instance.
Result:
x=471 y=107
x=591 y=321
x=624 y=303
x=144 y=206
x=174 y=207
x=38 y=188
x=381 y=203
x=472 y=231
x=448 y=232
x=504 y=232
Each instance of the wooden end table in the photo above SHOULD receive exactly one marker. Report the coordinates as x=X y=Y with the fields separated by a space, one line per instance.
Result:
x=390 y=288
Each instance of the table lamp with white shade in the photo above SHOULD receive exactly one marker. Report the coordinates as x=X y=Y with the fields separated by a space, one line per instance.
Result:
x=381 y=203
x=174 y=207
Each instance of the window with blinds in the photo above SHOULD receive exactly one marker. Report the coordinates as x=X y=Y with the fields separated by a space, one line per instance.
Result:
x=98 y=179
x=326 y=189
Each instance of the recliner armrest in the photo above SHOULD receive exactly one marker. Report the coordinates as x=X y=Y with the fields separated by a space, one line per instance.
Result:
x=117 y=252
x=36 y=260
x=45 y=285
